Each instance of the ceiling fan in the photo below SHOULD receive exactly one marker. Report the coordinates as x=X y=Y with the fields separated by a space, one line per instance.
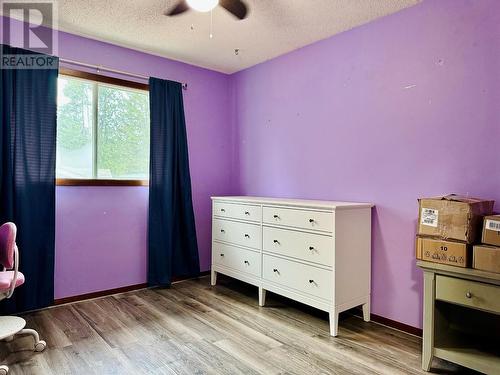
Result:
x=236 y=7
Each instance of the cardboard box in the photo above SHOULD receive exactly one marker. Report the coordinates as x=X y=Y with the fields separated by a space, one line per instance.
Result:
x=491 y=230
x=436 y=250
x=486 y=258
x=453 y=217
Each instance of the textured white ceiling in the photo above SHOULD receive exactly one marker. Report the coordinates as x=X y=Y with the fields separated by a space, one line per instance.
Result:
x=272 y=28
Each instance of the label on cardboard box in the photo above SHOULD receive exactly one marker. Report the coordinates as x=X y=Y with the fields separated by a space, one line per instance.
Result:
x=493 y=225
x=429 y=217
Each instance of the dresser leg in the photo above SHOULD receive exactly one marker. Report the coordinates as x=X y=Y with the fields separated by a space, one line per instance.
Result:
x=213 y=277
x=334 y=323
x=262 y=296
x=366 y=311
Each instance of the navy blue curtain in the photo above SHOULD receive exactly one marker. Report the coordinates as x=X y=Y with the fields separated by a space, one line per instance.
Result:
x=27 y=176
x=172 y=246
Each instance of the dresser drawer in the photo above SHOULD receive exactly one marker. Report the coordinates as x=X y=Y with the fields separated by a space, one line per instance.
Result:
x=316 y=248
x=306 y=279
x=237 y=211
x=236 y=258
x=305 y=219
x=238 y=233
x=468 y=293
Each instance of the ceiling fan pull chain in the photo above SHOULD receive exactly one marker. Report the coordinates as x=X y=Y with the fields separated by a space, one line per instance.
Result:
x=211 y=24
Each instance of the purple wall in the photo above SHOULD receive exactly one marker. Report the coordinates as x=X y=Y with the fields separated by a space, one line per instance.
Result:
x=100 y=238
x=403 y=107
x=101 y=231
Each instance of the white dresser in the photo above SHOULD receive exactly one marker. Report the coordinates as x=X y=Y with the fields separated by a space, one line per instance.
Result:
x=315 y=252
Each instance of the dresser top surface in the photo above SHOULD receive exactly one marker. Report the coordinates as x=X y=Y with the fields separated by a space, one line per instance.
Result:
x=458 y=271
x=293 y=202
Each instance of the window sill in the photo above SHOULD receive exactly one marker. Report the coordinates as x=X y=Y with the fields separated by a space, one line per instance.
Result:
x=99 y=182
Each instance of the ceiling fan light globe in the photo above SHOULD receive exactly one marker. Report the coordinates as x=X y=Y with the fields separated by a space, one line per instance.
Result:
x=202 y=5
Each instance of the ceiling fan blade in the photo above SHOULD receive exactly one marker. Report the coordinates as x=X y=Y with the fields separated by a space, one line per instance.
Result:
x=181 y=7
x=235 y=7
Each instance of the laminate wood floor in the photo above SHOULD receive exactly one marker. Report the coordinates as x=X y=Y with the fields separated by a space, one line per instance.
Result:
x=192 y=328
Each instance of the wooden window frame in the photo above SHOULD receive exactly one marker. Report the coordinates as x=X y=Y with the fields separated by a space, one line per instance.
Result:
x=99 y=182
x=103 y=79
x=111 y=81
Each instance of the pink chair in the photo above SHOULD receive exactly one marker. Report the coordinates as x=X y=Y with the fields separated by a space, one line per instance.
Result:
x=10 y=279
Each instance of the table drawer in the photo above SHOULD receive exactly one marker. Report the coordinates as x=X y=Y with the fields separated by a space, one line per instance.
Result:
x=317 y=248
x=238 y=233
x=305 y=219
x=236 y=258
x=237 y=211
x=306 y=279
x=468 y=293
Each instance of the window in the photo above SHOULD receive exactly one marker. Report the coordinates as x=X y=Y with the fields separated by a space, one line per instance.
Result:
x=102 y=130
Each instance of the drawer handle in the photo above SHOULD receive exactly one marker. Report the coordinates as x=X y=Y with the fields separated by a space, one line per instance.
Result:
x=276 y=216
x=222 y=210
x=276 y=242
x=247 y=235
x=311 y=221
x=311 y=248
x=276 y=270
x=247 y=213
x=311 y=281
x=468 y=295
x=246 y=262
x=221 y=254
x=222 y=231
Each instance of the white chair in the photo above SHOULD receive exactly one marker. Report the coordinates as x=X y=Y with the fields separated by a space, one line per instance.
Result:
x=10 y=279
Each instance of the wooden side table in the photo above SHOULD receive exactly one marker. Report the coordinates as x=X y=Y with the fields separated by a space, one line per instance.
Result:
x=461 y=317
